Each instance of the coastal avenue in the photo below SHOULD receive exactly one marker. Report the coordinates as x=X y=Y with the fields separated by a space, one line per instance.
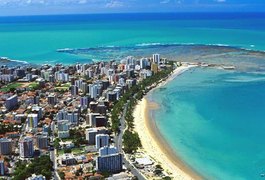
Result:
x=118 y=144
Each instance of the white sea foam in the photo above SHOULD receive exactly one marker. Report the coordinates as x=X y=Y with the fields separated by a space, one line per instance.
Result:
x=19 y=61
x=148 y=44
x=245 y=79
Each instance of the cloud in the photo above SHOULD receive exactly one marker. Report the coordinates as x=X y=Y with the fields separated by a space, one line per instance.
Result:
x=41 y=2
x=165 y=2
x=63 y=3
x=114 y=4
x=171 y=2
x=220 y=1
x=82 y=2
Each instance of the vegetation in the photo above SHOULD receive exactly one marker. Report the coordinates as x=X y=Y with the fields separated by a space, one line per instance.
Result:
x=77 y=136
x=41 y=165
x=132 y=95
x=9 y=128
x=73 y=150
x=61 y=174
x=77 y=150
x=10 y=87
x=131 y=141
x=167 y=178
x=67 y=150
x=56 y=143
x=158 y=170
x=62 y=87
x=34 y=86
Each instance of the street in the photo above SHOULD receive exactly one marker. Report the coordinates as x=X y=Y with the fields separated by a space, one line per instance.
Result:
x=118 y=143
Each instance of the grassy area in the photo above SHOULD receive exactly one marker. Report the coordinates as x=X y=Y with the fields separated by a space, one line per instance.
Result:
x=63 y=87
x=10 y=86
x=67 y=139
x=60 y=152
x=77 y=150
x=66 y=85
x=74 y=151
x=34 y=85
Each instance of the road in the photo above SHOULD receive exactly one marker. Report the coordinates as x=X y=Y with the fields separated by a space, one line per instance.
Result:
x=118 y=138
x=53 y=154
x=118 y=144
x=132 y=168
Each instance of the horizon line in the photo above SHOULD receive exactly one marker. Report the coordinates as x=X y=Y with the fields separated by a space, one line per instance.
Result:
x=116 y=13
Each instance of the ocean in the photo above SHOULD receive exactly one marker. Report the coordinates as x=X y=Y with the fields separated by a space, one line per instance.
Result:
x=212 y=118
x=36 y=39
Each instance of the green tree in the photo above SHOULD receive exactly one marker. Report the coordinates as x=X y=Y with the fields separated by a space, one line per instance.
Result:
x=41 y=165
x=57 y=143
x=67 y=150
x=131 y=141
x=61 y=174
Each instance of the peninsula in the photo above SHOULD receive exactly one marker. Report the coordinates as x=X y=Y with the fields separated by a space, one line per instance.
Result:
x=76 y=121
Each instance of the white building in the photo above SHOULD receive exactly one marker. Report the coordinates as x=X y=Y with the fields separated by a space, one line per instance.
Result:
x=42 y=141
x=63 y=125
x=68 y=159
x=73 y=117
x=52 y=99
x=143 y=63
x=109 y=163
x=92 y=119
x=61 y=115
x=91 y=135
x=78 y=83
x=11 y=102
x=37 y=109
x=74 y=90
x=104 y=151
x=5 y=146
x=156 y=58
x=102 y=140
x=93 y=91
x=2 y=168
x=61 y=76
x=84 y=87
x=32 y=120
x=26 y=149
x=63 y=134
x=36 y=177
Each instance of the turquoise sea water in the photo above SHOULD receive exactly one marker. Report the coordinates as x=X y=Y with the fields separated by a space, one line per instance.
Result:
x=213 y=119
x=36 y=39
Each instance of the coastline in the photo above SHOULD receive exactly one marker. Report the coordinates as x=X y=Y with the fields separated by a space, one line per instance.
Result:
x=153 y=143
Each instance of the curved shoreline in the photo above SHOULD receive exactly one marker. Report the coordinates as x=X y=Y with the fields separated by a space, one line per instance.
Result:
x=154 y=144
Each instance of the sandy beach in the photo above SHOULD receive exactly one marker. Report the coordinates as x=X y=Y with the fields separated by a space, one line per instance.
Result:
x=153 y=143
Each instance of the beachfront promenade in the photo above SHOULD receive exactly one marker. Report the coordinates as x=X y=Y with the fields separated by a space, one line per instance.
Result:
x=154 y=146
x=118 y=143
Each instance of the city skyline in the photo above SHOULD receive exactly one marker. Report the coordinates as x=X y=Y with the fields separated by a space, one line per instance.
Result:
x=49 y=7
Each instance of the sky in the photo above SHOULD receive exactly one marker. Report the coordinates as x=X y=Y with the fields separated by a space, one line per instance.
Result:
x=46 y=7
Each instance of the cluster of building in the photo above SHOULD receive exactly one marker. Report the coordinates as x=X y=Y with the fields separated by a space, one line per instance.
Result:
x=67 y=99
